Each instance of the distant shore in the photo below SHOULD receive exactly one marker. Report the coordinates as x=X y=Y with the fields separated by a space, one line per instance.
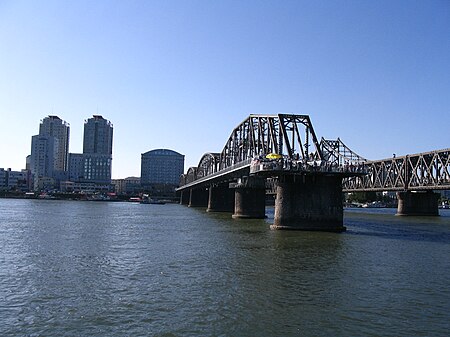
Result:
x=73 y=196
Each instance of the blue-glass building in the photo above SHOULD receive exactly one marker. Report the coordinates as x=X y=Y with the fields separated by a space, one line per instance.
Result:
x=161 y=167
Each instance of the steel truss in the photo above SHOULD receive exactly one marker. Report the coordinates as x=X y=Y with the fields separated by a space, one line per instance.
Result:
x=339 y=154
x=423 y=171
x=291 y=136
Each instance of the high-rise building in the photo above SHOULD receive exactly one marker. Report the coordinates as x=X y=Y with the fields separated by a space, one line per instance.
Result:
x=50 y=152
x=161 y=167
x=93 y=166
x=98 y=136
x=53 y=126
x=43 y=152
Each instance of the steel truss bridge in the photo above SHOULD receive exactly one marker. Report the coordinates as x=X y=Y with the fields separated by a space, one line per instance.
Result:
x=291 y=138
x=296 y=149
x=417 y=172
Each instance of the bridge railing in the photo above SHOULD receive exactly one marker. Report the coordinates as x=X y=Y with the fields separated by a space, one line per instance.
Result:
x=301 y=166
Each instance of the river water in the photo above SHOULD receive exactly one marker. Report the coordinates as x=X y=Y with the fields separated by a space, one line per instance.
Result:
x=74 y=268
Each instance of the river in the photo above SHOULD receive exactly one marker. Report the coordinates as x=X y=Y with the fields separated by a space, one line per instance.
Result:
x=74 y=268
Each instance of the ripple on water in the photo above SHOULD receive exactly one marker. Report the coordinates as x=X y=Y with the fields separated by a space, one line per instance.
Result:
x=114 y=269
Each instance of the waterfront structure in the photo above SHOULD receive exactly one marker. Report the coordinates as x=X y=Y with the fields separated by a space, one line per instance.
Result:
x=14 y=180
x=49 y=153
x=93 y=166
x=43 y=152
x=129 y=185
x=76 y=167
x=87 y=167
x=53 y=126
x=98 y=136
x=310 y=175
x=3 y=179
x=84 y=187
x=161 y=167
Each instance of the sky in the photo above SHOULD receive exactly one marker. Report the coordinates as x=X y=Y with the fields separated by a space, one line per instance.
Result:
x=181 y=75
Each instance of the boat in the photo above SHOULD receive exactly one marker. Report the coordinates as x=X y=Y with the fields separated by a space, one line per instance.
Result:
x=98 y=197
x=147 y=200
x=374 y=204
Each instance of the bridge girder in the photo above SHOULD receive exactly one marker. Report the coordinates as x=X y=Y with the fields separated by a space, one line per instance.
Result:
x=284 y=134
x=337 y=153
x=422 y=171
x=208 y=164
x=293 y=137
x=189 y=177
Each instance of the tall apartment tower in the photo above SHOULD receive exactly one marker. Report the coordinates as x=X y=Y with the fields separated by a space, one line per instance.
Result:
x=98 y=136
x=94 y=165
x=43 y=151
x=53 y=126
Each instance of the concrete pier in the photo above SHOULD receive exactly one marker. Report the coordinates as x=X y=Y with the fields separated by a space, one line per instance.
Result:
x=309 y=202
x=198 y=197
x=418 y=203
x=250 y=198
x=221 y=199
x=184 y=197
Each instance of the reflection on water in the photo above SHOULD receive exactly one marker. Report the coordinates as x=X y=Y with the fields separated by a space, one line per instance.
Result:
x=115 y=269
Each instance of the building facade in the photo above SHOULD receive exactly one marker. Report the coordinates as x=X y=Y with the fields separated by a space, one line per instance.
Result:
x=86 y=167
x=161 y=167
x=43 y=151
x=53 y=126
x=14 y=180
x=129 y=185
x=93 y=166
x=98 y=136
x=49 y=153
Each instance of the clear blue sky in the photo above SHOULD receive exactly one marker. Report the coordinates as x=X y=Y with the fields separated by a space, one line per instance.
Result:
x=182 y=74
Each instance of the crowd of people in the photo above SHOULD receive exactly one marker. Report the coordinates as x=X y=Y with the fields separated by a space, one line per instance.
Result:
x=284 y=163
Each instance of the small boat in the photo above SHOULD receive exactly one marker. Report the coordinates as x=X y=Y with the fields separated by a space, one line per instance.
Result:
x=98 y=197
x=147 y=200
x=374 y=204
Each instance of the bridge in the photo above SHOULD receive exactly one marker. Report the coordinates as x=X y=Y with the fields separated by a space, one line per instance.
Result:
x=414 y=178
x=308 y=176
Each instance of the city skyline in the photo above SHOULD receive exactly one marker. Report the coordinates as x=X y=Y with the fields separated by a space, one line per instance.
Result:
x=182 y=75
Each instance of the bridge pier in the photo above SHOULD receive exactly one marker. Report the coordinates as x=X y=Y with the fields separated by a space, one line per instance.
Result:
x=417 y=203
x=198 y=197
x=250 y=198
x=184 y=197
x=309 y=202
x=221 y=198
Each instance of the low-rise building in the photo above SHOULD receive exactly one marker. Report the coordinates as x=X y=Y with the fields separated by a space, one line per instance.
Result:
x=90 y=168
x=130 y=185
x=15 y=180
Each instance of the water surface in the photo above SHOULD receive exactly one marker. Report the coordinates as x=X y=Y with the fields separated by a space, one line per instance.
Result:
x=71 y=268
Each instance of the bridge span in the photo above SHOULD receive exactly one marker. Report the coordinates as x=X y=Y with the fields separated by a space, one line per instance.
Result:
x=414 y=178
x=282 y=151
